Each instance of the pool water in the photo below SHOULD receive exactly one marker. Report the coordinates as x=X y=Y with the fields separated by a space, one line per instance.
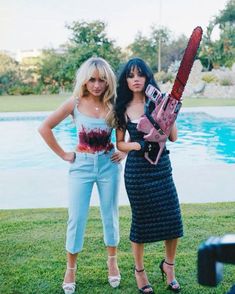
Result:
x=202 y=139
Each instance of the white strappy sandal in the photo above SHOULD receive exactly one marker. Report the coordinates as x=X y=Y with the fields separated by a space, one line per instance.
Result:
x=114 y=281
x=69 y=288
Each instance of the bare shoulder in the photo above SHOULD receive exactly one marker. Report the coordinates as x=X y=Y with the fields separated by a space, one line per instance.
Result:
x=61 y=112
x=66 y=108
x=69 y=104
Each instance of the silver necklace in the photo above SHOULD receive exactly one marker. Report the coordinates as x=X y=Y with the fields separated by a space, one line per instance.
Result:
x=97 y=108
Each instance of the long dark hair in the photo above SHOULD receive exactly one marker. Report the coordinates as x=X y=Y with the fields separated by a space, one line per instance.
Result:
x=124 y=94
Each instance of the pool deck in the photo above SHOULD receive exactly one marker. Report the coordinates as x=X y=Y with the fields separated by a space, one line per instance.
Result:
x=223 y=111
x=44 y=188
x=216 y=111
x=48 y=188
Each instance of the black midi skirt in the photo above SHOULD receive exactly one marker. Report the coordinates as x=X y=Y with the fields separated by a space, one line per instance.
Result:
x=153 y=199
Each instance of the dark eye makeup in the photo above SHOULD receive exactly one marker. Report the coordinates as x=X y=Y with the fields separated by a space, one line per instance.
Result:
x=131 y=75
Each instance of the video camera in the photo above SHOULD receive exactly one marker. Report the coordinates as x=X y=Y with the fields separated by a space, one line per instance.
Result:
x=211 y=255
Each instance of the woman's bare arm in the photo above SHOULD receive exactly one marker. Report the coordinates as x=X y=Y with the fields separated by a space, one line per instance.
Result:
x=173 y=134
x=45 y=129
x=125 y=146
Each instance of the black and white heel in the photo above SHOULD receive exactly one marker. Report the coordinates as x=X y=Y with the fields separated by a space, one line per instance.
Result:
x=147 y=289
x=174 y=286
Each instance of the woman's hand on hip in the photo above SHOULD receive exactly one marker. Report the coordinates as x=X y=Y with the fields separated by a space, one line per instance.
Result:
x=118 y=156
x=69 y=156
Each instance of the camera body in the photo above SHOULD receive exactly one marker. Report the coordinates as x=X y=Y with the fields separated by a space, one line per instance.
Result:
x=211 y=255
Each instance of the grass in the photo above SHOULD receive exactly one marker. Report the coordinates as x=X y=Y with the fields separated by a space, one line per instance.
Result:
x=30 y=103
x=32 y=254
x=196 y=102
x=50 y=102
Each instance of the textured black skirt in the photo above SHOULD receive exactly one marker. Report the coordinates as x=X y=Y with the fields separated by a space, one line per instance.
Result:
x=153 y=199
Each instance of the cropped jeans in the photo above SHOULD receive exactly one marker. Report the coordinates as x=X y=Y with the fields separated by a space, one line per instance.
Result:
x=86 y=170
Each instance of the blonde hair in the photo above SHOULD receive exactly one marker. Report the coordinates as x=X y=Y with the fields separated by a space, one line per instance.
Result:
x=106 y=73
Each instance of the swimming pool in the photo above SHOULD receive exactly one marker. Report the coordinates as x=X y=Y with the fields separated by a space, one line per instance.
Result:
x=202 y=139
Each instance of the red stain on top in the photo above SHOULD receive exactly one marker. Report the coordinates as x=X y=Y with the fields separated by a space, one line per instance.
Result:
x=94 y=140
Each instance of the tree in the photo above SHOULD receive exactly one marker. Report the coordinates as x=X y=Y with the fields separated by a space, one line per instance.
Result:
x=220 y=52
x=51 y=70
x=226 y=45
x=160 y=39
x=143 y=48
x=147 y=48
x=9 y=73
x=227 y=15
x=58 y=69
x=90 y=39
x=206 y=48
x=173 y=51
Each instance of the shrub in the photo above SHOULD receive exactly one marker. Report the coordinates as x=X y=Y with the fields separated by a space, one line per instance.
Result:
x=51 y=89
x=13 y=90
x=164 y=77
x=1 y=90
x=209 y=78
x=226 y=82
x=23 y=89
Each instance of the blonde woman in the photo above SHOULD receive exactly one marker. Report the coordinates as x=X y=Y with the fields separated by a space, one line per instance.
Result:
x=94 y=160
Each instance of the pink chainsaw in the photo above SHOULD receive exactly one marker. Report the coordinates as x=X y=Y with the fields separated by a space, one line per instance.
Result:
x=157 y=125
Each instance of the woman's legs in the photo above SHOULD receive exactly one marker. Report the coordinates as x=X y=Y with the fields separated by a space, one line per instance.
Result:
x=110 y=218
x=112 y=251
x=79 y=202
x=141 y=277
x=138 y=252
x=71 y=264
x=108 y=185
x=170 y=252
x=112 y=261
x=170 y=249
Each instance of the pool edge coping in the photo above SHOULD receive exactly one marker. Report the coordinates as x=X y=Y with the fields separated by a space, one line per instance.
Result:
x=216 y=111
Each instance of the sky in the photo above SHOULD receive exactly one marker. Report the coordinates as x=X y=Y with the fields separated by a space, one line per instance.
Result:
x=38 y=24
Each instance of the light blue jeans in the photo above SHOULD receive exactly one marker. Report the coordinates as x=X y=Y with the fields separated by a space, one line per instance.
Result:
x=84 y=172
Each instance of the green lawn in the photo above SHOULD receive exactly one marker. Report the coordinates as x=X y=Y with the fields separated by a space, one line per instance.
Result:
x=32 y=255
x=196 y=102
x=50 y=102
x=30 y=102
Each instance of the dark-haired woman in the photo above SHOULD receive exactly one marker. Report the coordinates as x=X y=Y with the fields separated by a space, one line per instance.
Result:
x=156 y=214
